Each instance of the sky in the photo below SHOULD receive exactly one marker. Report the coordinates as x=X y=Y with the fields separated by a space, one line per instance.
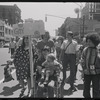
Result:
x=38 y=11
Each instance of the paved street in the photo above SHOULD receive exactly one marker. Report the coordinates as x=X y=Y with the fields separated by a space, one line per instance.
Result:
x=12 y=90
x=4 y=56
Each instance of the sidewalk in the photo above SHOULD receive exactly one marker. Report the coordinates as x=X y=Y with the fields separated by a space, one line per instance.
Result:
x=12 y=90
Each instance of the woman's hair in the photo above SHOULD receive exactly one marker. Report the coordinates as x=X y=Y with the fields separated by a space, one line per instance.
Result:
x=94 y=37
x=51 y=56
x=60 y=38
x=46 y=48
x=23 y=43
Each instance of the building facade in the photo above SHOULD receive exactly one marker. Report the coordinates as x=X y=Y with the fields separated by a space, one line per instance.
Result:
x=91 y=11
x=10 y=14
x=6 y=32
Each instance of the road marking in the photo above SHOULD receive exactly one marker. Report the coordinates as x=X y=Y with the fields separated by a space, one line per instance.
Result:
x=3 y=78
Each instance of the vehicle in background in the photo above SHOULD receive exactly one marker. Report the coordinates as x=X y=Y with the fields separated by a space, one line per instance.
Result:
x=6 y=45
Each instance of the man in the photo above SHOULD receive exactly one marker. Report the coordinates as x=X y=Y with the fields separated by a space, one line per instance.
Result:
x=68 y=57
x=12 y=46
x=46 y=41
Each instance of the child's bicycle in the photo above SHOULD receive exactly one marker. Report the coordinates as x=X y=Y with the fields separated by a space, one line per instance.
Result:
x=7 y=71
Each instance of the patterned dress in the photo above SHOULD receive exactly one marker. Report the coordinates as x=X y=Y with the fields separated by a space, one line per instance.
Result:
x=22 y=64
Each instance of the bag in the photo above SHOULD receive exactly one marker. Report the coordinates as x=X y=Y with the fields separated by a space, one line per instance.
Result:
x=63 y=51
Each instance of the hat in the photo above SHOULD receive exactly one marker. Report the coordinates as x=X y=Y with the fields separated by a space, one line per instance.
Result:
x=70 y=32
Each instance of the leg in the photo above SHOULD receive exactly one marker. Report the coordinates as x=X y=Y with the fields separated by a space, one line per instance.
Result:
x=51 y=89
x=87 y=82
x=95 y=82
x=72 y=64
x=29 y=84
x=65 y=64
x=21 y=82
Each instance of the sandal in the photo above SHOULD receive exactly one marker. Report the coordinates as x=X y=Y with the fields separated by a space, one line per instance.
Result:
x=22 y=92
x=28 y=94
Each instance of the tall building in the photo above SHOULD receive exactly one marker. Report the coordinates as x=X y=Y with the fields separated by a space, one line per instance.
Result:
x=10 y=14
x=91 y=11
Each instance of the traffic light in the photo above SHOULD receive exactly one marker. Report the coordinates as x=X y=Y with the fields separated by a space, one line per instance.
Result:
x=45 y=18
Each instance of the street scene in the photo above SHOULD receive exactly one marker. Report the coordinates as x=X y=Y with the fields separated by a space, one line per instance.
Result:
x=50 y=54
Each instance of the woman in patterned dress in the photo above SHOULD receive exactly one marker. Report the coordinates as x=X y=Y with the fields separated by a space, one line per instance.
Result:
x=22 y=64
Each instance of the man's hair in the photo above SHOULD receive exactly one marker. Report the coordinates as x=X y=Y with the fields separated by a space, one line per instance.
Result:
x=94 y=37
x=46 y=48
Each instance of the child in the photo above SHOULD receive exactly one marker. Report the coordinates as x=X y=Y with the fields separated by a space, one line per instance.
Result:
x=50 y=67
x=91 y=66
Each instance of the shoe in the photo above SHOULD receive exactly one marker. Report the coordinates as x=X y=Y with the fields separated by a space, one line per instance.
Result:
x=70 y=92
x=22 y=92
x=73 y=88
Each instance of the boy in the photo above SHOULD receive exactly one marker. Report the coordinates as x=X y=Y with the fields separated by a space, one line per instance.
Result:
x=91 y=66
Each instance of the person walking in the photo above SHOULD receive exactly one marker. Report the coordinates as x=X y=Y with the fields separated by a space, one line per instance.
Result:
x=22 y=65
x=90 y=61
x=12 y=46
x=68 y=57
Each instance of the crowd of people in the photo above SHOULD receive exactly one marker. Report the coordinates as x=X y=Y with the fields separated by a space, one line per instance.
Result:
x=53 y=57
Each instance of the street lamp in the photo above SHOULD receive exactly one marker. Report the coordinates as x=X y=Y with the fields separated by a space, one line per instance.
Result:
x=81 y=6
x=83 y=19
x=52 y=16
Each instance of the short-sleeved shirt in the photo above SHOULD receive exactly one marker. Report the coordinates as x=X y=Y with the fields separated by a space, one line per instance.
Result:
x=71 y=49
x=12 y=45
x=41 y=44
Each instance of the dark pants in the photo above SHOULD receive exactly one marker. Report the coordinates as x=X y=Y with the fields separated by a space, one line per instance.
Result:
x=12 y=51
x=95 y=85
x=69 y=59
x=41 y=89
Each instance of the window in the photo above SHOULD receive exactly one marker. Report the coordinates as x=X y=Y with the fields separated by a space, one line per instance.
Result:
x=98 y=6
x=0 y=27
x=6 y=30
x=2 y=34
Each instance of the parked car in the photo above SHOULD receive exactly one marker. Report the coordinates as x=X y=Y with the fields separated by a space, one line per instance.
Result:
x=6 y=45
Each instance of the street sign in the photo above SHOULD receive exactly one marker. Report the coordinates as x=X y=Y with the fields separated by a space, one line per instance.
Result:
x=35 y=28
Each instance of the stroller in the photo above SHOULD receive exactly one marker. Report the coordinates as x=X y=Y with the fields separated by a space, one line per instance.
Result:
x=7 y=71
x=46 y=89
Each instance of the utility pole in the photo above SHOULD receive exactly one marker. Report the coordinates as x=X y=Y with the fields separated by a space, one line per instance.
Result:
x=83 y=24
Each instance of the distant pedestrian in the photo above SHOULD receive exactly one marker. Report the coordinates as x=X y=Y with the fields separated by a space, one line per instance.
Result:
x=12 y=46
x=91 y=66
x=68 y=57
